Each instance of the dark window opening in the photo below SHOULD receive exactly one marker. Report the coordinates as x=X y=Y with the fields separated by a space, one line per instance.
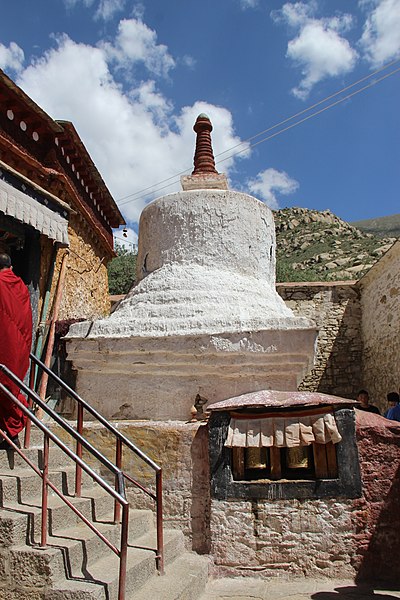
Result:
x=317 y=461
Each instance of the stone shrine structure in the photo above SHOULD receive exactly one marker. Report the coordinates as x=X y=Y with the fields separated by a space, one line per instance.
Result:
x=203 y=321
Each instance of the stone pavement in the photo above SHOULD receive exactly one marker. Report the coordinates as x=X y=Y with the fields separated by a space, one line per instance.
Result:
x=301 y=589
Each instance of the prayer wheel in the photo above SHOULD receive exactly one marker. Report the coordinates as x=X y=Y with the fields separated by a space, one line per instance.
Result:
x=256 y=458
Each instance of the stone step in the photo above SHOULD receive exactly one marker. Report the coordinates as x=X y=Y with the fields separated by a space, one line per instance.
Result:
x=10 y=460
x=20 y=485
x=51 y=569
x=70 y=552
x=141 y=563
x=93 y=505
x=33 y=567
x=81 y=545
x=184 y=579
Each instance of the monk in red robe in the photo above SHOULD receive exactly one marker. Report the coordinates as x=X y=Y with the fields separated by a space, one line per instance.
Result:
x=15 y=345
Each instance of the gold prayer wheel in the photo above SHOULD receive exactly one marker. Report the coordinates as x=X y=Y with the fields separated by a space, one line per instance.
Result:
x=256 y=458
x=297 y=458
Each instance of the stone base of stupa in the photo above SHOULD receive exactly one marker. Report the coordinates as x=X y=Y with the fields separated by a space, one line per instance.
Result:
x=203 y=320
x=153 y=378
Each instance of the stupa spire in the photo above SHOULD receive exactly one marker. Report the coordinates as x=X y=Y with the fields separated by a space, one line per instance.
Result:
x=204 y=174
x=203 y=157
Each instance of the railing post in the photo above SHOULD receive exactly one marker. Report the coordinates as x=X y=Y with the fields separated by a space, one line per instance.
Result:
x=160 y=533
x=78 y=472
x=45 y=474
x=28 y=426
x=123 y=552
x=118 y=463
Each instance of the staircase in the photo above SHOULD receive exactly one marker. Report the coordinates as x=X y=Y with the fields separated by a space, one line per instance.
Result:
x=76 y=564
x=78 y=545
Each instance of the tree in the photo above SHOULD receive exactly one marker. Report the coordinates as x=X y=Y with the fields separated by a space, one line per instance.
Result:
x=121 y=271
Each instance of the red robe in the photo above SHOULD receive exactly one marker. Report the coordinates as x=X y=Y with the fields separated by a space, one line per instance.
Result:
x=15 y=345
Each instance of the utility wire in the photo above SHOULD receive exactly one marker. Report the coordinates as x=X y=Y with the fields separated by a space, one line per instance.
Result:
x=314 y=114
x=305 y=110
x=156 y=188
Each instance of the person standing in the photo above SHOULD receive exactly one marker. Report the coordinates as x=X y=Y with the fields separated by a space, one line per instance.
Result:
x=15 y=345
x=363 y=398
x=393 y=412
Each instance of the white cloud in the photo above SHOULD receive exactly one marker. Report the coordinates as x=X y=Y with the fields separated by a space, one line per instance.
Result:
x=188 y=61
x=70 y=4
x=135 y=42
x=321 y=53
x=245 y=4
x=270 y=183
x=106 y=9
x=134 y=136
x=380 y=40
x=12 y=57
x=319 y=48
x=295 y=14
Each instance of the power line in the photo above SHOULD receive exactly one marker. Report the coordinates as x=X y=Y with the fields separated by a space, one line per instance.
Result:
x=318 y=112
x=156 y=187
x=305 y=110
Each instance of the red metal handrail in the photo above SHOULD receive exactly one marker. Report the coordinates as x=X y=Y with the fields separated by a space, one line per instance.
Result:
x=120 y=441
x=119 y=493
x=48 y=434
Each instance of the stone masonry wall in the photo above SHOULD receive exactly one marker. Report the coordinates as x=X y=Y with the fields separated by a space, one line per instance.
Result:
x=380 y=302
x=336 y=309
x=285 y=538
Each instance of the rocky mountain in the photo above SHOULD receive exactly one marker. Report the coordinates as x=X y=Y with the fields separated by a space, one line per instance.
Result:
x=319 y=246
x=380 y=226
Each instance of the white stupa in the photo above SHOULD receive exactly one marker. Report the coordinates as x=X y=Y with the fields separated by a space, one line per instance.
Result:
x=203 y=321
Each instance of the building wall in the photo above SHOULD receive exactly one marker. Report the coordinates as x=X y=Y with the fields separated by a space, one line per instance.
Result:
x=380 y=303
x=335 y=308
x=86 y=285
x=181 y=449
x=376 y=517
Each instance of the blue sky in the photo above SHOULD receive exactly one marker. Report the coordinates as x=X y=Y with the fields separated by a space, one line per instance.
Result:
x=133 y=76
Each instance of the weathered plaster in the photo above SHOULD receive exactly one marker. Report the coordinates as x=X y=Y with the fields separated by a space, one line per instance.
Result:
x=86 y=284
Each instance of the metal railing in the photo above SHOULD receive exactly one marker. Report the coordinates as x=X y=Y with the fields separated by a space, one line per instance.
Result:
x=118 y=493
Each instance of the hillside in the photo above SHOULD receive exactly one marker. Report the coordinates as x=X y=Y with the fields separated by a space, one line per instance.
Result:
x=311 y=246
x=380 y=226
x=319 y=246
